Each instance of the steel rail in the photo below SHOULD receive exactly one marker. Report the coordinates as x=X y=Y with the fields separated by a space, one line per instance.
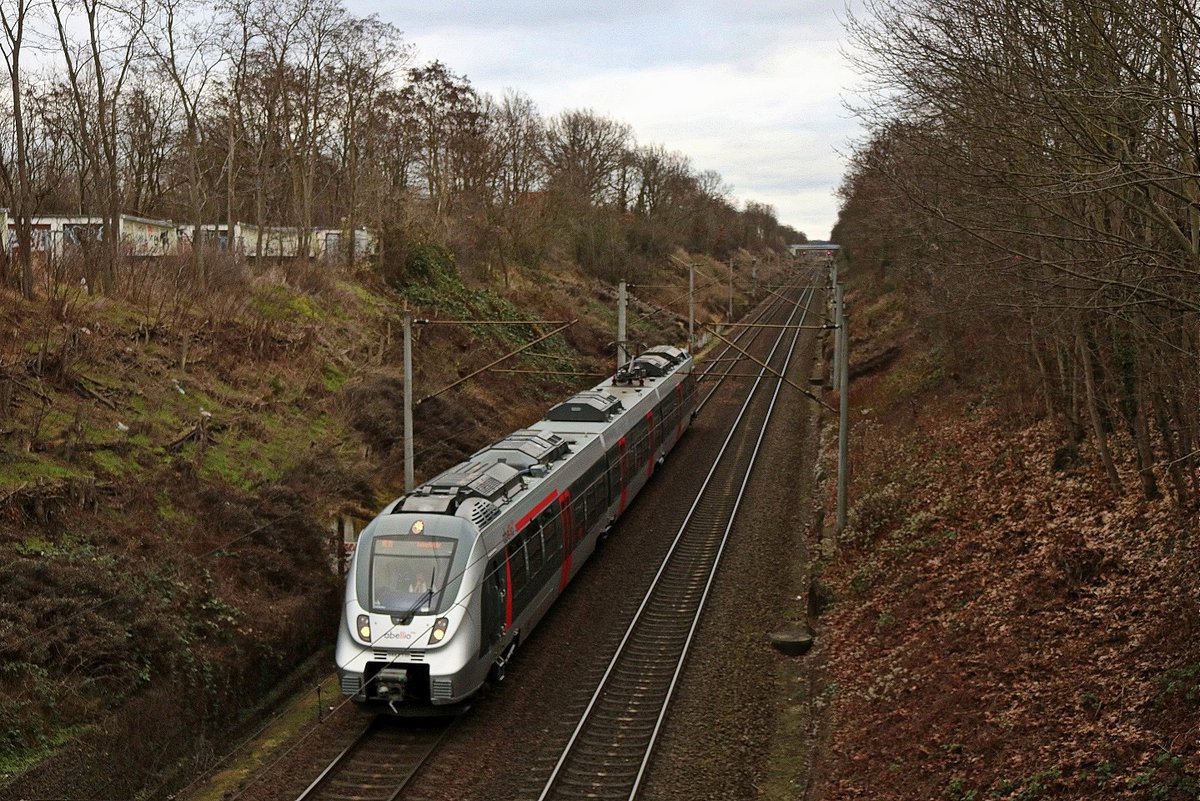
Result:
x=380 y=762
x=560 y=781
x=716 y=563
x=779 y=300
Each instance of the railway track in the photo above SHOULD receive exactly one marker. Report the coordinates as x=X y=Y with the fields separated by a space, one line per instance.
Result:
x=716 y=369
x=607 y=755
x=381 y=762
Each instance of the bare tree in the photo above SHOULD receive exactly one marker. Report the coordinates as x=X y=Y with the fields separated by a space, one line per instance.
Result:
x=1039 y=161
x=186 y=51
x=267 y=109
x=584 y=154
x=228 y=111
x=13 y=21
x=367 y=53
x=444 y=113
x=148 y=140
x=319 y=29
x=520 y=136
x=97 y=68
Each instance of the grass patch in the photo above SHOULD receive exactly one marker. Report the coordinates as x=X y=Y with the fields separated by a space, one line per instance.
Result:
x=332 y=378
x=279 y=303
x=16 y=757
x=249 y=455
x=27 y=470
x=264 y=747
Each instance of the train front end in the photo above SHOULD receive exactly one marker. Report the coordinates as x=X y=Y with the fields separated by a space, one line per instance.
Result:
x=409 y=635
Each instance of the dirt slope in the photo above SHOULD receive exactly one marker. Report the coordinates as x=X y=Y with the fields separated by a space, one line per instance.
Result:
x=1003 y=626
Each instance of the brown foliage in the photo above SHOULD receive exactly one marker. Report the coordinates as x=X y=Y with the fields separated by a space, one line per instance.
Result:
x=1004 y=627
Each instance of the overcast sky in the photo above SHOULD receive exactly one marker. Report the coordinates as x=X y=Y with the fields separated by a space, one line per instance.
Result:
x=749 y=88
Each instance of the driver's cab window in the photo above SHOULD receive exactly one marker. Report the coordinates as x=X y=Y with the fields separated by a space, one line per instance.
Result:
x=408 y=574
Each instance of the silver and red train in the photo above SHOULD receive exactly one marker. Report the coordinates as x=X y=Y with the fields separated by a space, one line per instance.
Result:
x=447 y=580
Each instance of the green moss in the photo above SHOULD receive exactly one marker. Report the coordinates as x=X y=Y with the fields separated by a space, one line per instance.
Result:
x=34 y=546
x=917 y=378
x=31 y=471
x=448 y=298
x=112 y=463
x=333 y=378
x=278 y=441
x=302 y=306
x=364 y=296
x=62 y=544
x=166 y=507
x=279 y=303
x=218 y=467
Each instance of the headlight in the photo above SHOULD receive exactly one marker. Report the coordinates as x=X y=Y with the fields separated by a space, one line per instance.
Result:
x=439 y=630
x=364 y=627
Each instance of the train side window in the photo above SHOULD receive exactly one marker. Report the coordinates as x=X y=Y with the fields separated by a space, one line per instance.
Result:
x=599 y=497
x=493 y=605
x=578 y=508
x=669 y=408
x=533 y=547
x=640 y=444
x=518 y=566
x=590 y=496
x=551 y=521
x=653 y=422
x=614 y=472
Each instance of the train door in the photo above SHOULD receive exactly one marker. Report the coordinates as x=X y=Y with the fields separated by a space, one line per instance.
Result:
x=652 y=439
x=570 y=536
x=492 y=601
x=623 y=460
x=679 y=411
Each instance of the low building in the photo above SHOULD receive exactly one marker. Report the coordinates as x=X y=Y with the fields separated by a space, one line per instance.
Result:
x=145 y=237
x=54 y=235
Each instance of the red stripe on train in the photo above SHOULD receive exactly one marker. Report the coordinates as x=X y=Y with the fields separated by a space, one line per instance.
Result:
x=568 y=536
x=508 y=593
x=537 y=510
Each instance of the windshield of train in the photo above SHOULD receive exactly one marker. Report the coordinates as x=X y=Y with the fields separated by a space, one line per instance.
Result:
x=409 y=574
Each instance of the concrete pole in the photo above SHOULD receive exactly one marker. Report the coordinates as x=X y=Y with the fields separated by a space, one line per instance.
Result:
x=843 y=385
x=408 y=403
x=691 y=308
x=622 y=350
x=730 y=318
x=754 y=276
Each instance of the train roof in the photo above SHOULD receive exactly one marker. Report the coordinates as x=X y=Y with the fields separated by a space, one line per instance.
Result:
x=497 y=474
x=593 y=406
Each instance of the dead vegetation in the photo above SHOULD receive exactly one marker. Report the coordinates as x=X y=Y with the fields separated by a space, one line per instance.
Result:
x=171 y=461
x=1003 y=623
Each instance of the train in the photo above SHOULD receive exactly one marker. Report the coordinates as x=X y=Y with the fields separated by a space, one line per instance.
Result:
x=447 y=580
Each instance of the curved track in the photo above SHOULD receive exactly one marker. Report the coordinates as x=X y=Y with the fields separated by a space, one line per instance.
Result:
x=607 y=755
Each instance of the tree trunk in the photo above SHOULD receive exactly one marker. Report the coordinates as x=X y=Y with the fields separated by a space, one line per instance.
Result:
x=1044 y=374
x=1069 y=383
x=1145 y=450
x=1093 y=407
x=1174 y=459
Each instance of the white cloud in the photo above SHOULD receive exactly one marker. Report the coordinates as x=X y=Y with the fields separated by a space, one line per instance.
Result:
x=751 y=90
